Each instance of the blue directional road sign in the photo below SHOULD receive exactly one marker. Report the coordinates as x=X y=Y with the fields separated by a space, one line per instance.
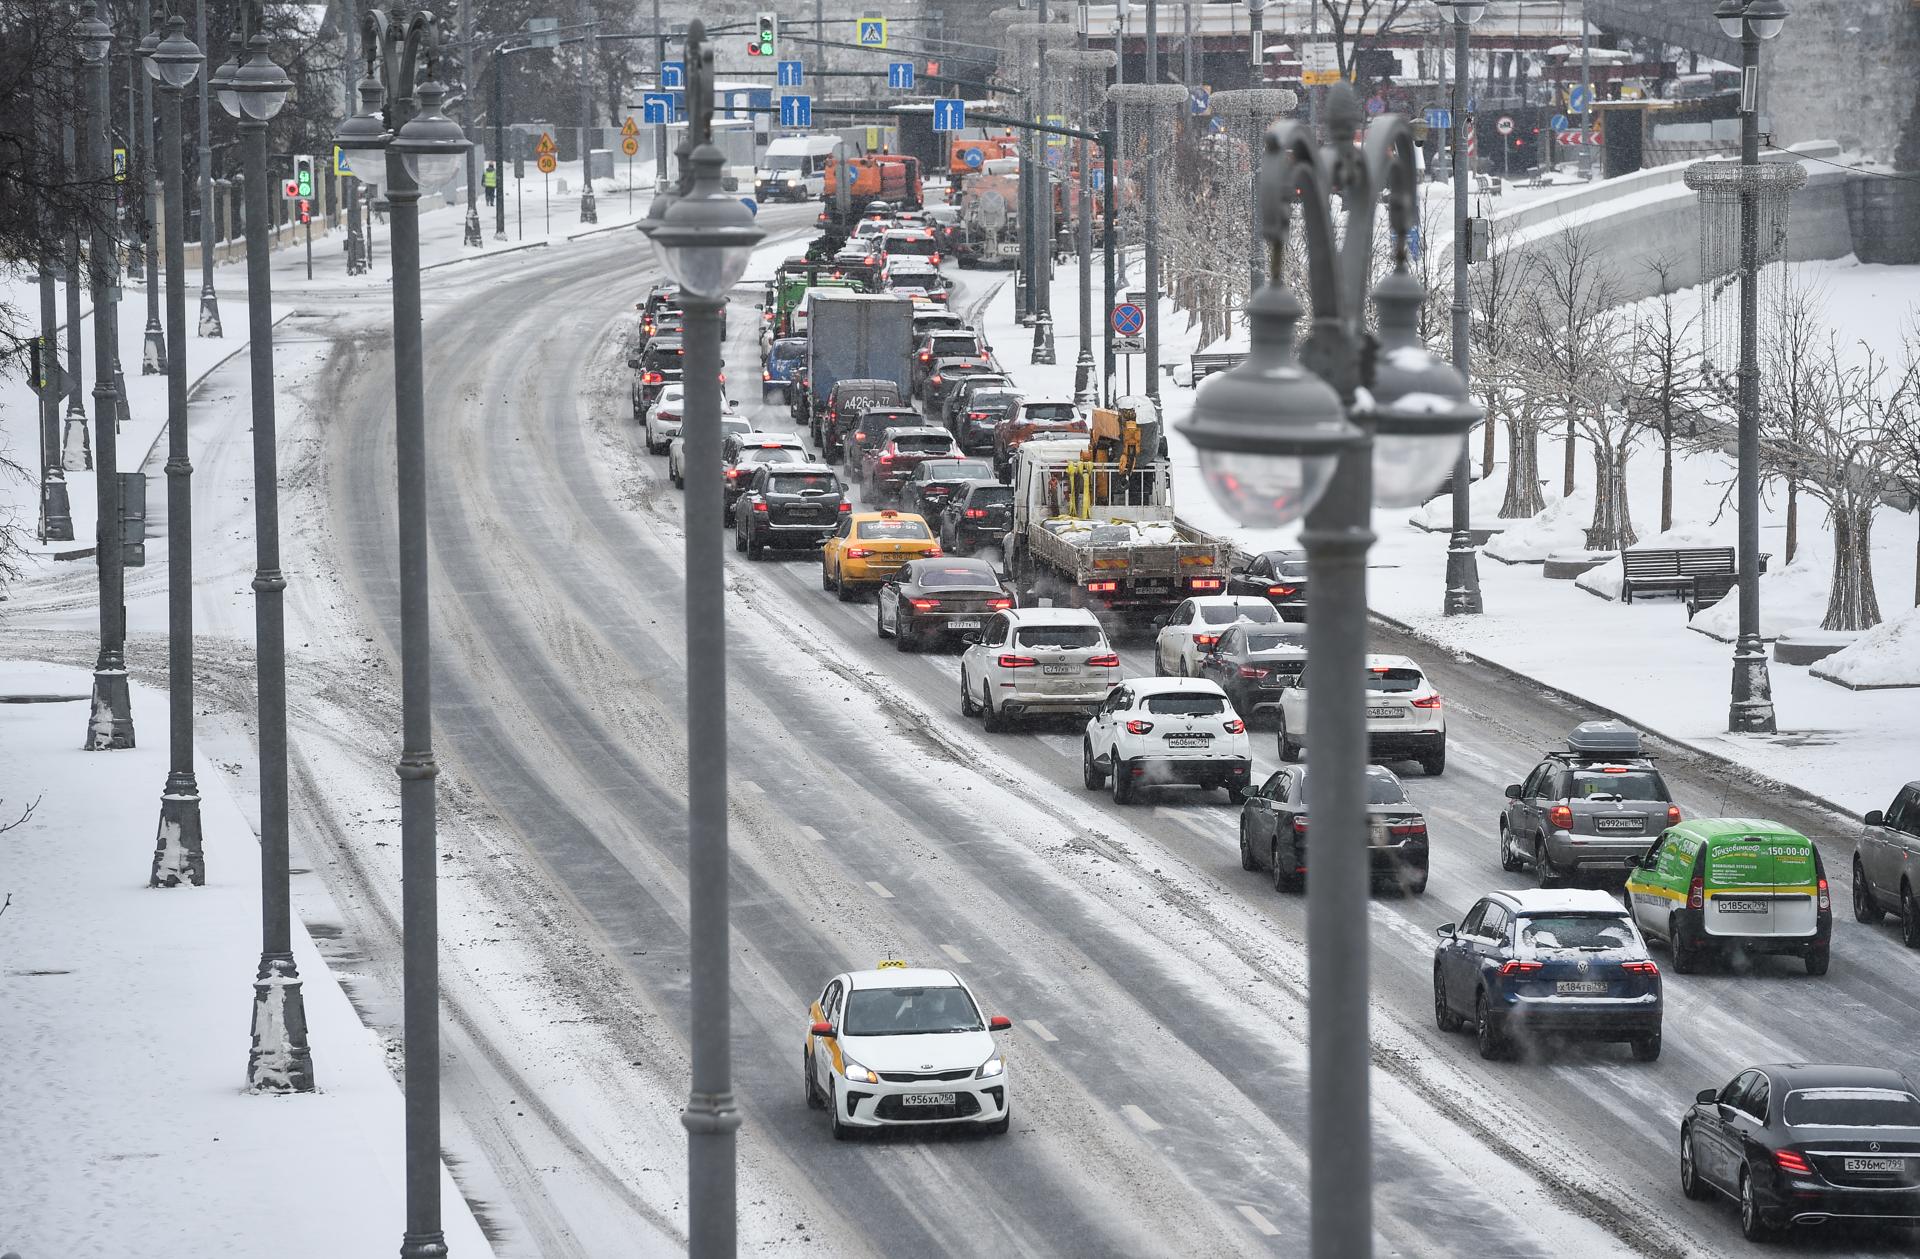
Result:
x=972 y=157
x=1578 y=100
x=1198 y=99
x=1559 y=122
x=1413 y=241
x=656 y=109
x=949 y=114
x=1440 y=119
x=796 y=111
x=792 y=74
x=1128 y=319
x=900 y=74
x=872 y=32
x=673 y=74
x=1097 y=178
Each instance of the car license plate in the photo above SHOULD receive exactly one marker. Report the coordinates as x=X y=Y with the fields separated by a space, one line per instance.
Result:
x=969 y=623
x=926 y=1099
x=1581 y=987
x=1874 y=1164
x=1618 y=824
x=1379 y=835
x=1188 y=740
x=1383 y=712
x=1739 y=905
x=1056 y=668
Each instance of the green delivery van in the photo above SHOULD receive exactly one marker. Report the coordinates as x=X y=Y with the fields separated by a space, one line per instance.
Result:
x=1717 y=885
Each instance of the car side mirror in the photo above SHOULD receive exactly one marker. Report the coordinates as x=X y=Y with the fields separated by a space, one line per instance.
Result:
x=1446 y=930
x=1875 y=818
x=633 y=361
x=999 y=1023
x=1513 y=791
x=1707 y=1097
x=1647 y=862
x=822 y=1028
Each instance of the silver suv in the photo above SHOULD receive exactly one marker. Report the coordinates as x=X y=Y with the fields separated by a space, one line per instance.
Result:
x=1594 y=808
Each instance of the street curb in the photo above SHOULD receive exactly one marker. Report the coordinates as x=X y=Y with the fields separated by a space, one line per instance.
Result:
x=483 y=256
x=602 y=231
x=201 y=379
x=1565 y=696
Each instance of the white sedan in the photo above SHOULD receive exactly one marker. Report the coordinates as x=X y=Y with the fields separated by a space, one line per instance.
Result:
x=899 y=1046
x=1156 y=731
x=669 y=408
x=1031 y=662
x=1197 y=624
x=677 y=448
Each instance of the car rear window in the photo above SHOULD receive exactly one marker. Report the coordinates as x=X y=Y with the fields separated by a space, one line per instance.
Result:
x=776 y=454
x=957 y=577
x=994 y=496
x=1258 y=613
x=801 y=482
x=1633 y=784
x=909 y=1012
x=960 y=470
x=1063 y=636
x=789 y=350
x=912 y=247
x=952 y=346
x=1392 y=680
x=894 y=530
x=929 y=444
x=1050 y=412
x=994 y=399
x=1291 y=568
x=1382 y=788
x=1851 y=1108
x=1182 y=705
x=1277 y=639
x=1589 y=932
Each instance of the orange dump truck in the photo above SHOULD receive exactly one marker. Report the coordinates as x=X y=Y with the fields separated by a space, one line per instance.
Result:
x=877 y=177
x=968 y=156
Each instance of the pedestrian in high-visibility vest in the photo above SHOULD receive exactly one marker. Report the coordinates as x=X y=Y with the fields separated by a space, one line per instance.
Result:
x=491 y=179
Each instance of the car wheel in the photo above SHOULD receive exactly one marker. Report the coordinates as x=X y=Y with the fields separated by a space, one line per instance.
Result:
x=1246 y=849
x=1818 y=960
x=1686 y=954
x=1489 y=1041
x=1909 y=917
x=679 y=482
x=1647 y=1048
x=1122 y=778
x=1285 y=877
x=1237 y=794
x=967 y=707
x=814 y=1099
x=880 y=620
x=841 y=1131
x=845 y=593
x=1543 y=863
x=1864 y=909
x=1289 y=750
x=1509 y=859
x=1444 y=1017
x=1435 y=765
x=826 y=576
x=1417 y=886
x=904 y=639
x=996 y=722
x=739 y=542
x=1753 y=1226
x=755 y=551
x=1092 y=777
x=1000 y=1126
x=1690 y=1183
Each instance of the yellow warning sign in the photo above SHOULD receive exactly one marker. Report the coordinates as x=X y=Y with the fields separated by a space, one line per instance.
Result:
x=546 y=144
x=631 y=128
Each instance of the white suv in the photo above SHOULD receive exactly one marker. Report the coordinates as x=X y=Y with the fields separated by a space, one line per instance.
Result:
x=1153 y=731
x=667 y=412
x=1197 y=624
x=1405 y=717
x=1031 y=661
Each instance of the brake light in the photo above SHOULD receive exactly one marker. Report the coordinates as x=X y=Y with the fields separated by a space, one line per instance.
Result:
x=1281 y=590
x=1826 y=900
x=1697 y=894
x=1430 y=701
x=859 y=552
x=1299 y=826
x=924 y=605
x=1406 y=830
x=766 y=376
x=936 y=378
x=1017 y=662
x=1561 y=816
x=1673 y=815
x=1109 y=661
x=759 y=506
x=1205 y=640
x=1236 y=726
x=1137 y=726
x=845 y=505
x=652 y=378
x=976 y=415
x=733 y=473
x=1102 y=587
x=933 y=552
x=1253 y=671
x=1640 y=968
x=886 y=458
x=976 y=513
x=926 y=355
x=936 y=258
x=1792 y=1161
x=1521 y=968
x=1206 y=583
x=859 y=437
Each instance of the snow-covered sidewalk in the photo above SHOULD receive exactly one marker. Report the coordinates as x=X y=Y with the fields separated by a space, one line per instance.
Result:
x=125 y=1013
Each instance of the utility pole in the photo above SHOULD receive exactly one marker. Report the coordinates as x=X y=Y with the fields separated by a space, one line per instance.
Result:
x=153 y=357
x=76 y=446
x=469 y=106
x=1152 y=79
x=588 y=214
x=209 y=302
x=1462 y=597
x=659 y=73
x=1043 y=211
x=1586 y=85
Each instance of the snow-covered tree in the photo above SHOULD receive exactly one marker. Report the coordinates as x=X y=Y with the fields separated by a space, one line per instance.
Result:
x=1667 y=388
x=1795 y=389
x=1574 y=297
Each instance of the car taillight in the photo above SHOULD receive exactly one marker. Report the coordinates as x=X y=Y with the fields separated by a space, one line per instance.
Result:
x=1792 y=1161
x=1826 y=899
x=926 y=356
x=976 y=513
x=1430 y=701
x=1137 y=726
x=1561 y=816
x=1205 y=640
x=1017 y=662
x=1697 y=894
x=976 y=415
x=924 y=605
x=936 y=378
x=845 y=505
x=1299 y=826
x=733 y=473
x=933 y=552
x=859 y=437
x=1109 y=661
x=1673 y=815
x=652 y=378
x=766 y=376
x=858 y=552
x=1281 y=590
x=1253 y=671
x=1640 y=968
x=1521 y=968
x=1205 y=583
x=999 y=605
x=886 y=458
x=936 y=258
x=1235 y=726
x=1102 y=587
x=759 y=506
x=1407 y=830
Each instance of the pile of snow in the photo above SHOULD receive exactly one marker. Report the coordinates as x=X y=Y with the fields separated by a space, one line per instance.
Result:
x=1483 y=505
x=1561 y=527
x=1608 y=579
x=1791 y=598
x=1113 y=532
x=1886 y=655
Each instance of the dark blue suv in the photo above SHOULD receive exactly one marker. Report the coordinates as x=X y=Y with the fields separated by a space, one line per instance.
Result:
x=1532 y=964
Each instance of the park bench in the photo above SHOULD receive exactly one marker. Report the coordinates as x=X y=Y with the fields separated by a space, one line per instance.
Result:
x=1700 y=575
x=1204 y=365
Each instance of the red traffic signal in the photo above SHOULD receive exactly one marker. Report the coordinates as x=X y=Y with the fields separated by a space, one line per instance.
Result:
x=290 y=188
x=753 y=47
x=306 y=210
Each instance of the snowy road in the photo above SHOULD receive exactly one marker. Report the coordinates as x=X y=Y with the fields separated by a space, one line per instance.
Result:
x=1157 y=988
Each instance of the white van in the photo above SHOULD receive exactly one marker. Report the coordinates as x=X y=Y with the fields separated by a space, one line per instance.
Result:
x=794 y=168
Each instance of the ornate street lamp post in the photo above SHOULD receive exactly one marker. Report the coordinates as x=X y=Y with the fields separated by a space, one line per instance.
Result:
x=1463 y=561
x=399 y=143
x=703 y=240
x=209 y=301
x=1357 y=422
x=153 y=356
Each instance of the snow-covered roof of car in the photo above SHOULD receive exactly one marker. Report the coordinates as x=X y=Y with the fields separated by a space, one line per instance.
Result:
x=903 y=977
x=755 y=436
x=1573 y=900
x=1230 y=601
x=1393 y=662
x=1169 y=686
x=1050 y=616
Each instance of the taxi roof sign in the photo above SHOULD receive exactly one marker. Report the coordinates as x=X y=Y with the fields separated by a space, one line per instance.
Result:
x=890 y=964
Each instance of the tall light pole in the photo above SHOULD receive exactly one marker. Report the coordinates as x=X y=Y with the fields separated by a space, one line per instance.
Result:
x=1086 y=68
x=110 y=716
x=177 y=854
x=1256 y=79
x=470 y=107
x=1151 y=78
x=1463 y=561
x=56 y=507
x=1586 y=85
x=1751 y=709
x=704 y=240
x=401 y=135
x=209 y=301
x=589 y=43
x=153 y=355
x=75 y=445
x=1043 y=351
x=1353 y=425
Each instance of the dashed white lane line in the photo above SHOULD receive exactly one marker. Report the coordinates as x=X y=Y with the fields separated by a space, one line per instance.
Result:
x=1261 y=1223
x=1141 y=1119
x=812 y=834
x=955 y=954
x=747 y=784
x=1040 y=1029
x=879 y=890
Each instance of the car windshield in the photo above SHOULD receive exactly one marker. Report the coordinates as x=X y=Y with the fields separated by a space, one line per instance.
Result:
x=1591 y=933
x=1259 y=613
x=1633 y=784
x=1382 y=788
x=895 y=530
x=786 y=161
x=804 y=483
x=1277 y=639
x=927 y=444
x=1059 y=636
x=1384 y=679
x=909 y=1012
x=1049 y=412
x=1181 y=704
x=1851 y=1108
x=957 y=577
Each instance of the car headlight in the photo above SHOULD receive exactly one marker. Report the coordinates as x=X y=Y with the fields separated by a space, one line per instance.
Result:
x=990 y=1068
x=857 y=1073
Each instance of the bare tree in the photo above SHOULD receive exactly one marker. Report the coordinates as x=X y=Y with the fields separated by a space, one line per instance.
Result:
x=1575 y=293
x=1904 y=436
x=1666 y=384
x=1796 y=389
x=1598 y=408
x=1359 y=25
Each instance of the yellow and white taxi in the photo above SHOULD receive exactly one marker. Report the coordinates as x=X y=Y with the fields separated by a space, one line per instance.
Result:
x=901 y=1045
x=871 y=546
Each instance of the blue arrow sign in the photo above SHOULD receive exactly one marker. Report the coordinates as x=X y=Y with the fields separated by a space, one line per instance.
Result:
x=1128 y=319
x=900 y=74
x=792 y=74
x=1197 y=100
x=796 y=111
x=1097 y=179
x=1578 y=100
x=656 y=109
x=1440 y=119
x=972 y=157
x=1559 y=122
x=949 y=114
x=673 y=74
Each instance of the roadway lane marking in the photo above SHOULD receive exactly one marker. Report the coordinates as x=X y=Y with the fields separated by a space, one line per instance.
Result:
x=1040 y=1029
x=812 y=834
x=1261 y=1223
x=1141 y=1119
x=1466 y=753
x=880 y=891
x=955 y=954
x=747 y=784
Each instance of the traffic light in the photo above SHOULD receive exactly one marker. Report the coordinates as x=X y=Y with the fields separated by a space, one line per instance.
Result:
x=303 y=174
x=290 y=188
x=306 y=210
x=766 y=43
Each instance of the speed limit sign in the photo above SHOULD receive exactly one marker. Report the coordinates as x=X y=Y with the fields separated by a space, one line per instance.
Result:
x=546 y=163
x=629 y=146
x=1505 y=125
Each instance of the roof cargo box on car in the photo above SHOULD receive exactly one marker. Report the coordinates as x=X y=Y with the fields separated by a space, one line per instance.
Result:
x=1604 y=739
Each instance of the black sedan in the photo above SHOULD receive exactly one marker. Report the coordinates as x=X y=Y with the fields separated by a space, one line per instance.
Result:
x=936 y=599
x=1279 y=575
x=933 y=482
x=977 y=512
x=1254 y=663
x=1274 y=823
x=1806 y=1144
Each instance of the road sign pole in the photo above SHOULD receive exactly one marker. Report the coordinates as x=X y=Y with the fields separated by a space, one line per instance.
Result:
x=546 y=189
x=309 y=217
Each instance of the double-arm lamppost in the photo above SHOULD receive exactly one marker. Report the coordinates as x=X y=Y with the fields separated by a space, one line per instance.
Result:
x=398 y=143
x=209 y=301
x=1463 y=562
x=253 y=90
x=1359 y=421
x=1751 y=709
x=153 y=356
x=110 y=716
x=703 y=241
x=174 y=62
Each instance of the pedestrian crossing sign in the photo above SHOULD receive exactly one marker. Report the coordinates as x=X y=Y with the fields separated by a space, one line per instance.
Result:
x=630 y=128
x=340 y=167
x=546 y=144
x=871 y=32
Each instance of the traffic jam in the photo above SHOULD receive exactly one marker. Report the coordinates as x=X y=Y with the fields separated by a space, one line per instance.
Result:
x=1035 y=543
